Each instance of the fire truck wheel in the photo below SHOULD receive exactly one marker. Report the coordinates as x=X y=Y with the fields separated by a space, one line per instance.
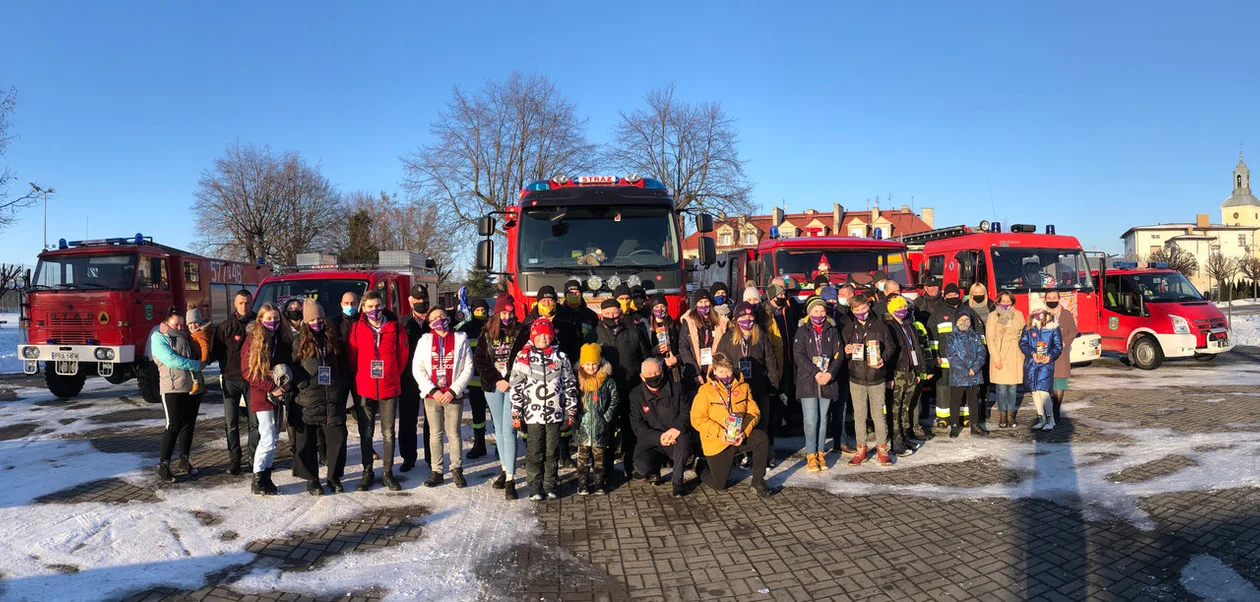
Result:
x=64 y=387
x=1146 y=354
x=147 y=378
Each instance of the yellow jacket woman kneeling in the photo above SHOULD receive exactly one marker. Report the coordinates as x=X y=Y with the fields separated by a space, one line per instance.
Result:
x=709 y=412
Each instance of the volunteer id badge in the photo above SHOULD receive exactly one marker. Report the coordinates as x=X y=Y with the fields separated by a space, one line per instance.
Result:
x=501 y=366
x=378 y=368
x=745 y=367
x=441 y=380
x=325 y=376
x=706 y=356
x=820 y=361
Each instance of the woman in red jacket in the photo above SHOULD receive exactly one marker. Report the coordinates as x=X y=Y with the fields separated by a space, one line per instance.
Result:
x=266 y=353
x=377 y=349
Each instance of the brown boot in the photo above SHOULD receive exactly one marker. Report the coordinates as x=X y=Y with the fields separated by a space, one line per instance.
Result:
x=859 y=456
x=822 y=461
x=811 y=463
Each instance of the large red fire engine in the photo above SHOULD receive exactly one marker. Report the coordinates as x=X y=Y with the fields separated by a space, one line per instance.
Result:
x=601 y=230
x=321 y=278
x=1022 y=261
x=92 y=304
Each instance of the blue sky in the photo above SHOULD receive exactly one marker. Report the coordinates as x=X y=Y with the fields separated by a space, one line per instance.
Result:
x=1093 y=116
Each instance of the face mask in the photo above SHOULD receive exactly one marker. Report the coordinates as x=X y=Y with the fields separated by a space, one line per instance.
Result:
x=779 y=301
x=638 y=302
x=703 y=309
x=573 y=300
x=544 y=310
x=746 y=323
x=294 y=315
x=843 y=301
x=953 y=301
x=373 y=315
x=655 y=381
x=719 y=299
x=1004 y=305
x=316 y=327
x=1052 y=304
x=625 y=305
x=420 y=307
x=348 y=310
x=978 y=298
x=901 y=314
x=508 y=320
x=609 y=322
x=818 y=320
x=270 y=324
x=964 y=326
x=726 y=380
x=862 y=315
x=660 y=314
x=441 y=324
x=480 y=314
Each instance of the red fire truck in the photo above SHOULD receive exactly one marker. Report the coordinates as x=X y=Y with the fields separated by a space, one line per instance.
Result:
x=601 y=230
x=801 y=259
x=92 y=304
x=1151 y=312
x=1022 y=261
x=321 y=278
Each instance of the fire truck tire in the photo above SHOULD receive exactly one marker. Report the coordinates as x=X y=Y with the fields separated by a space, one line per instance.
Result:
x=1146 y=354
x=64 y=387
x=147 y=378
x=119 y=376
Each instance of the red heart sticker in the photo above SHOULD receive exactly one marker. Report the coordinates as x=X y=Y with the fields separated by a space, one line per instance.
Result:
x=237 y=337
x=646 y=409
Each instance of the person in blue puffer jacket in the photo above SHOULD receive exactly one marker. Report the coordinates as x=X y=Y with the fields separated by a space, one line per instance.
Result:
x=1042 y=344
x=967 y=354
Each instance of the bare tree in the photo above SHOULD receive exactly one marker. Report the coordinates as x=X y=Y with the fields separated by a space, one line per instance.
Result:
x=1249 y=267
x=11 y=279
x=490 y=143
x=420 y=226
x=257 y=204
x=9 y=205
x=1177 y=259
x=691 y=148
x=1223 y=269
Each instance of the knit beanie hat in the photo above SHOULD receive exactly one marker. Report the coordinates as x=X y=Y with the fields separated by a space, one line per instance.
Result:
x=572 y=284
x=547 y=292
x=951 y=289
x=745 y=309
x=658 y=299
x=718 y=286
x=479 y=303
x=311 y=310
x=897 y=303
x=829 y=294
x=542 y=326
x=815 y=300
x=589 y=354
x=502 y=303
x=621 y=291
x=698 y=295
x=752 y=294
x=193 y=316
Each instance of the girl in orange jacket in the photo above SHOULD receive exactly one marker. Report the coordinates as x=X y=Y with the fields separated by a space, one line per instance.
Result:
x=725 y=415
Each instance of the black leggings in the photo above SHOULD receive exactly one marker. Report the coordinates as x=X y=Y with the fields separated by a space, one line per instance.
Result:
x=757 y=445
x=308 y=439
x=181 y=416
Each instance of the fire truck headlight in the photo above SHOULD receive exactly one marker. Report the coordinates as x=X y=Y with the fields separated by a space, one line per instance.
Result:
x=1180 y=325
x=614 y=281
x=30 y=353
x=104 y=354
x=634 y=281
x=594 y=283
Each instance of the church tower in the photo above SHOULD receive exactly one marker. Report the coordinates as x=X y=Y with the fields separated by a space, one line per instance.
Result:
x=1242 y=208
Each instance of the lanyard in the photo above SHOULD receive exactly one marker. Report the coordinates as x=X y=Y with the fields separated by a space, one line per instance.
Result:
x=726 y=401
x=743 y=344
x=441 y=350
x=818 y=343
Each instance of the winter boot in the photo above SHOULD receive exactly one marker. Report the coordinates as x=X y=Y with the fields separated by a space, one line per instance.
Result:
x=500 y=482
x=881 y=453
x=921 y=433
x=314 y=488
x=186 y=467
x=954 y=431
x=407 y=465
x=335 y=486
x=811 y=463
x=256 y=487
x=1041 y=422
x=1004 y=419
x=899 y=447
x=164 y=473
x=822 y=461
x=435 y=479
x=859 y=456
x=457 y=475
x=387 y=479
x=1010 y=419
x=366 y=481
x=509 y=490
x=234 y=466
x=479 y=444
x=268 y=487
x=978 y=431
x=1049 y=425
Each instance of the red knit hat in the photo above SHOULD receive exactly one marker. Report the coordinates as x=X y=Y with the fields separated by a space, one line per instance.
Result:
x=503 y=303
x=542 y=327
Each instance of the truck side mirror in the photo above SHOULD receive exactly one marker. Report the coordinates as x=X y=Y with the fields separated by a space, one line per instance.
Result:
x=706 y=253
x=485 y=226
x=704 y=223
x=485 y=255
x=430 y=263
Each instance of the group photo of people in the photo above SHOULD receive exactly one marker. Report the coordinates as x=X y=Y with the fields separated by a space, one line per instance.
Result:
x=636 y=391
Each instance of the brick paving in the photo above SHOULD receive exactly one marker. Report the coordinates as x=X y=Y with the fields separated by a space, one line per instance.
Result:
x=1151 y=470
x=972 y=473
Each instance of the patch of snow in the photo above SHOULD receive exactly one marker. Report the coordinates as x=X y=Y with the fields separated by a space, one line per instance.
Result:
x=1212 y=400
x=1111 y=375
x=1209 y=578
x=10 y=338
x=1245 y=330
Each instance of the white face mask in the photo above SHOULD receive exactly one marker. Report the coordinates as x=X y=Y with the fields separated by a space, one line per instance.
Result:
x=844 y=301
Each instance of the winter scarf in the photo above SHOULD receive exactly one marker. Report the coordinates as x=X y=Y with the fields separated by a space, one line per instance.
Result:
x=443 y=358
x=1004 y=316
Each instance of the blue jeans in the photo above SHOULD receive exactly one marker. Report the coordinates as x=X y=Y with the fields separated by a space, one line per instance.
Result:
x=504 y=435
x=1006 y=396
x=814 y=409
x=268 y=435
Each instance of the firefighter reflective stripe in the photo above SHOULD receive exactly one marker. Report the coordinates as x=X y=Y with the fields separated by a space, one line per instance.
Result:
x=942 y=411
x=964 y=410
x=944 y=362
x=475 y=381
x=933 y=345
x=478 y=425
x=983 y=340
x=944 y=327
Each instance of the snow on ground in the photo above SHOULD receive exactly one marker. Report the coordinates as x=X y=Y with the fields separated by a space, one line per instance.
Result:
x=1206 y=576
x=10 y=337
x=125 y=548
x=1245 y=330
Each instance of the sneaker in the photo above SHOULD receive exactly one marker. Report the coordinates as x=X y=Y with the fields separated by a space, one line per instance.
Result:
x=457 y=475
x=601 y=490
x=977 y=431
x=846 y=449
x=658 y=479
x=500 y=482
x=551 y=495
x=859 y=456
x=537 y=497
x=366 y=481
x=314 y=488
x=387 y=479
x=1041 y=422
x=1049 y=426
x=584 y=490
x=335 y=486
x=435 y=479
x=186 y=467
x=164 y=473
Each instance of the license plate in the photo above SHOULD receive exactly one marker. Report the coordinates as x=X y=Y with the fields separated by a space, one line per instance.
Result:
x=66 y=355
x=1223 y=342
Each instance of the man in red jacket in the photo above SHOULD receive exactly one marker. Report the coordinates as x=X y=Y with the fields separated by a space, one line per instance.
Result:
x=377 y=346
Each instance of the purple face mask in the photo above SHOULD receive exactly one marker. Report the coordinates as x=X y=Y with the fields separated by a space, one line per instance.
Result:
x=1004 y=305
x=270 y=324
x=746 y=323
x=441 y=324
x=316 y=326
x=818 y=319
x=373 y=315
x=901 y=313
x=703 y=309
x=862 y=315
x=660 y=313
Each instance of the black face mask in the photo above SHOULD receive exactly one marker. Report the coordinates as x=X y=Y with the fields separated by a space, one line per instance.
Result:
x=609 y=322
x=293 y=315
x=420 y=307
x=978 y=298
x=655 y=382
x=1052 y=304
x=953 y=301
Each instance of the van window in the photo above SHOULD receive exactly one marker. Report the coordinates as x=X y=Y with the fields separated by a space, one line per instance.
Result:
x=192 y=276
x=152 y=273
x=936 y=266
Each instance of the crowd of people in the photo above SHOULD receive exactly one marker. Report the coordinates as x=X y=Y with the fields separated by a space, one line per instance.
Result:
x=706 y=391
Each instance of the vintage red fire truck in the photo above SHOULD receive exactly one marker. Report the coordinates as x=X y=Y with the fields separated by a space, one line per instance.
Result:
x=1150 y=313
x=320 y=277
x=601 y=230
x=1023 y=261
x=801 y=259
x=92 y=304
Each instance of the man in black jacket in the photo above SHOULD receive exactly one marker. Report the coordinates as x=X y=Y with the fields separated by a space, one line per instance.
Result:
x=575 y=311
x=624 y=346
x=228 y=338
x=409 y=428
x=661 y=421
x=472 y=326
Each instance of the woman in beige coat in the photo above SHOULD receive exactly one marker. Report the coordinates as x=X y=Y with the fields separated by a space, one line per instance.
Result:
x=1006 y=363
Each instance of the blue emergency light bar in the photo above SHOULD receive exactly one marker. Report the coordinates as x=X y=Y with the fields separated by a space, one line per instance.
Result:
x=1159 y=265
x=565 y=181
x=1124 y=265
x=138 y=239
x=774 y=231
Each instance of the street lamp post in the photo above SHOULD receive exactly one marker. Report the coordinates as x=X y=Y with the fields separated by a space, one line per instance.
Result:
x=45 y=191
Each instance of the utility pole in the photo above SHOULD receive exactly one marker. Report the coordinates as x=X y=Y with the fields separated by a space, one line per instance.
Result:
x=45 y=191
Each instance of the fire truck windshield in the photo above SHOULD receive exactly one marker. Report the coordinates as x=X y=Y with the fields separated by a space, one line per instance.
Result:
x=862 y=264
x=327 y=292
x=1021 y=268
x=86 y=272
x=1164 y=287
x=602 y=235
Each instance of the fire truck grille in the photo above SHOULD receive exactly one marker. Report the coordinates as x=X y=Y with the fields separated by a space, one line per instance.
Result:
x=69 y=336
x=1209 y=324
x=82 y=320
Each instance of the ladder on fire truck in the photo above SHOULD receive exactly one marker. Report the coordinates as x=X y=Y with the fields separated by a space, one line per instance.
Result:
x=918 y=239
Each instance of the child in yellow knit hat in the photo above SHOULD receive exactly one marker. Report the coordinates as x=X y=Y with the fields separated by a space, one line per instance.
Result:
x=597 y=409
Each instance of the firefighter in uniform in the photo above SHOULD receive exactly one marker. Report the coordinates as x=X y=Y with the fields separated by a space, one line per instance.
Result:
x=939 y=328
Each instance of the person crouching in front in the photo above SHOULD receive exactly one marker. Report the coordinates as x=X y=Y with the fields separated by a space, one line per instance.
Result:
x=544 y=399
x=725 y=415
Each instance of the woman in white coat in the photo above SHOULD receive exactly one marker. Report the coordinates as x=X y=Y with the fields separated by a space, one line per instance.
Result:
x=443 y=366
